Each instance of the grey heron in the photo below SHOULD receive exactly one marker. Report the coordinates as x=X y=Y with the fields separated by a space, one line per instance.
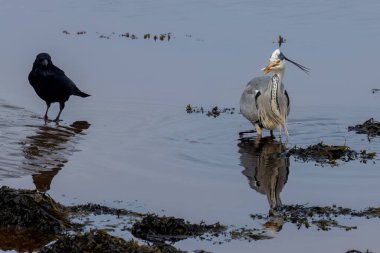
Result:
x=265 y=102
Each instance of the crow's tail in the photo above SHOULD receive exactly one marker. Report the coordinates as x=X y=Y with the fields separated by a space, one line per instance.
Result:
x=81 y=94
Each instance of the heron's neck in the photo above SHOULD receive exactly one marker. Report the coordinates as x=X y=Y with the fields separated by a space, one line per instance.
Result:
x=278 y=74
x=276 y=82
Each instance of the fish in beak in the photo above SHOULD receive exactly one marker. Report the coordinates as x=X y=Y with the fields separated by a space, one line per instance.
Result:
x=269 y=67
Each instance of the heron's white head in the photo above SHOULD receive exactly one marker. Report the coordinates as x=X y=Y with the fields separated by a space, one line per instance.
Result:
x=276 y=62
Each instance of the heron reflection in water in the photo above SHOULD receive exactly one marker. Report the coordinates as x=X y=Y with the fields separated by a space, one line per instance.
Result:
x=266 y=167
x=47 y=151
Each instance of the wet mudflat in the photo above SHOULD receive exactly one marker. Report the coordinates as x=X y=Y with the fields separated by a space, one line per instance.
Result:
x=143 y=153
x=266 y=163
x=31 y=220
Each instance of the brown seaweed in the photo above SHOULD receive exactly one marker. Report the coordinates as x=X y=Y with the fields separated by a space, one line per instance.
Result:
x=160 y=229
x=370 y=127
x=97 y=241
x=27 y=209
x=213 y=112
x=329 y=154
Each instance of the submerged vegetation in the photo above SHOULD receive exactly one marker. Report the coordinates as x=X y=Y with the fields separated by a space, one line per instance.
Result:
x=160 y=229
x=128 y=35
x=213 y=112
x=248 y=234
x=32 y=215
x=370 y=127
x=27 y=209
x=329 y=154
x=323 y=218
x=96 y=241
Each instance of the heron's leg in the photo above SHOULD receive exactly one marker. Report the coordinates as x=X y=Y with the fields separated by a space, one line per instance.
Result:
x=246 y=132
x=61 y=106
x=259 y=130
x=47 y=109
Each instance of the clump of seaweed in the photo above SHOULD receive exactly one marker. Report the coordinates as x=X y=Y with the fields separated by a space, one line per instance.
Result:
x=79 y=126
x=194 y=109
x=370 y=127
x=162 y=36
x=160 y=229
x=214 y=112
x=147 y=36
x=302 y=216
x=370 y=212
x=100 y=210
x=375 y=90
x=358 y=251
x=97 y=241
x=27 y=209
x=329 y=154
x=29 y=220
x=248 y=234
x=24 y=240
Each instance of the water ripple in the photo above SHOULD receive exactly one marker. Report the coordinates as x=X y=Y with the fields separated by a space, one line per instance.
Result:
x=31 y=147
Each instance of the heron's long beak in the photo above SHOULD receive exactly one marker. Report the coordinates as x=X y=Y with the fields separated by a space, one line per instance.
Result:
x=268 y=68
x=303 y=68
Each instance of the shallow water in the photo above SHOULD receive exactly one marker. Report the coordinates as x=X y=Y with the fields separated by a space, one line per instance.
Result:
x=143 y=152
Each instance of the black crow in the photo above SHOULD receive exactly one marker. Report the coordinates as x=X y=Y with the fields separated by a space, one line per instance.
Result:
x=51 y=84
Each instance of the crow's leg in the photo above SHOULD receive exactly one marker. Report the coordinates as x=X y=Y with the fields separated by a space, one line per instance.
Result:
x=61 y=106
x=47 y=109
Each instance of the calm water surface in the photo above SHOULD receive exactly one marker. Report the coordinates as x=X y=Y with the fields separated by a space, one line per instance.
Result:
x=143 y=152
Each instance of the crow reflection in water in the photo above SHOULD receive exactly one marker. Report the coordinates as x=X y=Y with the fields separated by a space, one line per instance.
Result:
x=48 y=150
x=51 y=84
x=266 y=167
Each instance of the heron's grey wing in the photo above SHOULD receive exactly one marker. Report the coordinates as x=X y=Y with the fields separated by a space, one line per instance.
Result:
x=283 y=100
x=248 y=99
x=258 y=83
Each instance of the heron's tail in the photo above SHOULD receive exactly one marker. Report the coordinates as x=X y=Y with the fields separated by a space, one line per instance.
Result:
x=81 y=94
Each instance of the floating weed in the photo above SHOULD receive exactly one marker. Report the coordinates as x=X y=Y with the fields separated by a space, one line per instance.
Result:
x=329 y=154
x=248 y=234
x=100 y=210
x=96 y=241
x=370 y=127
x=214 y=112
x=160 y=229
x=323 y=218
x=27 y=209
x=26 y=212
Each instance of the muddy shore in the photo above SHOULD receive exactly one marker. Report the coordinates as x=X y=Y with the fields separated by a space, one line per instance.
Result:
x=33 y=221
